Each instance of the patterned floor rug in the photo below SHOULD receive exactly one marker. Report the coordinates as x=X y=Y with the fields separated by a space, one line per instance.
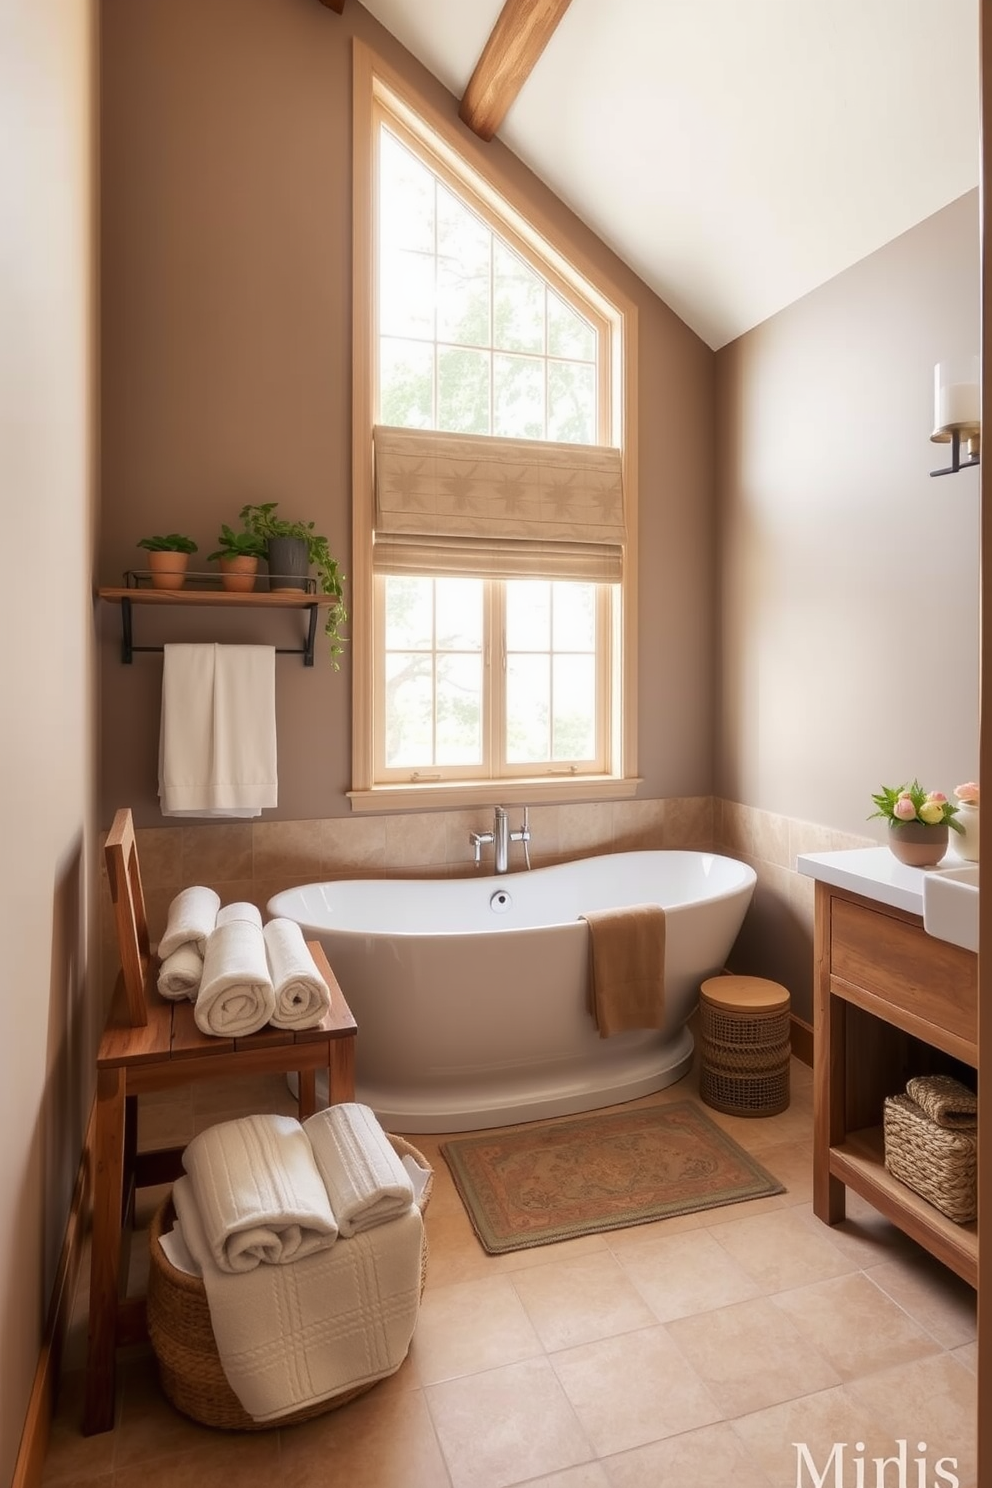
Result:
x=554 y=1180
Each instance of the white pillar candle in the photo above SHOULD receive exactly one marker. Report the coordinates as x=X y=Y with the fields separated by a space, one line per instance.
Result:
x=956 y=400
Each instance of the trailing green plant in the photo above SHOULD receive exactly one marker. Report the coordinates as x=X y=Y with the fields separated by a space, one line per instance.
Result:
x=262 y=523
x=172 y=542
x=238 y=544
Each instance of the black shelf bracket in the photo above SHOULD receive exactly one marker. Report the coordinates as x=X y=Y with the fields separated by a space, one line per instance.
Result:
x=128 y=647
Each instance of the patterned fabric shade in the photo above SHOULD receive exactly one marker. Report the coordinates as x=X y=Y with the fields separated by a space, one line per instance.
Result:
x=501 y=508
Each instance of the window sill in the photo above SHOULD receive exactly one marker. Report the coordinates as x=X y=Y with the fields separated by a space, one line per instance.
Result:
x=457 y=794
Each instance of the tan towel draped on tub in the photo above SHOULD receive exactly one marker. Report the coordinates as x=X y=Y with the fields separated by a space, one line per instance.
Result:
x=627 y=968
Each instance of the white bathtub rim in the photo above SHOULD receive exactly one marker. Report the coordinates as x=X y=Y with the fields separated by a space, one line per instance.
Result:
x=287 y=900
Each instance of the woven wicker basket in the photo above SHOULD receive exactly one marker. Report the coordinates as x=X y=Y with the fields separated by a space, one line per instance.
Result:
x=183 y=1340
x=937 y=1162
x=744 y=1055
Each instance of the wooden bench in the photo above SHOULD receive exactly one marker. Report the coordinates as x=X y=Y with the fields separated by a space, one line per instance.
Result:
x=149 y=1044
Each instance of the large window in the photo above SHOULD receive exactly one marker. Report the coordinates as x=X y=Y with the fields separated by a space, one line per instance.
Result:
x=493 y=561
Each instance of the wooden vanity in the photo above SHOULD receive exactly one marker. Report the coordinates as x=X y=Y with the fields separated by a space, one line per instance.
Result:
x=890 y=1001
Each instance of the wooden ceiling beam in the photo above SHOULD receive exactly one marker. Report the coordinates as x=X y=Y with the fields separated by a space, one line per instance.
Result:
x=522 y=31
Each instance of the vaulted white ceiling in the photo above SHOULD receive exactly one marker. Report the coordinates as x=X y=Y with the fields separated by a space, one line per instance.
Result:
x=735 y=153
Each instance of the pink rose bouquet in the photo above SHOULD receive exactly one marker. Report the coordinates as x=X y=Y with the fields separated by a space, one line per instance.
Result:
x=911 y=803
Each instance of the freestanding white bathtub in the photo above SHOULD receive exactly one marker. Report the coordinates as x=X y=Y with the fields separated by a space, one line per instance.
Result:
x=471 y=995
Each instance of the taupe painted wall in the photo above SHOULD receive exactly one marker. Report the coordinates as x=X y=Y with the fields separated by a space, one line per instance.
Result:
x=46 y=612
x=226 y=226
x=849 y=577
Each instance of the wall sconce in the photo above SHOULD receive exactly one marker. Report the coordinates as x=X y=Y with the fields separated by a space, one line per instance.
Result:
x=957 y=412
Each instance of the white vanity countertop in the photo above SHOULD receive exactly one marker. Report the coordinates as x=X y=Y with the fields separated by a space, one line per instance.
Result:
x=873 y=873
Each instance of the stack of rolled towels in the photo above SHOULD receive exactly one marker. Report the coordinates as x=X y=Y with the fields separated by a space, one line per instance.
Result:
x=309 y=1241
x=238 y=974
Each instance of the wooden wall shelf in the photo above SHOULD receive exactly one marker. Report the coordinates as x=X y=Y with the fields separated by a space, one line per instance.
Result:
x=222 y=599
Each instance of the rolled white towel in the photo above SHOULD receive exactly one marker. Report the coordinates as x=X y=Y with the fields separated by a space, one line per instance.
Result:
x=179 y=974
x=302 y=995
x=192 y=916
x=235 y=996
x=242 y=910
x=259 y=1193
x=365 y=1180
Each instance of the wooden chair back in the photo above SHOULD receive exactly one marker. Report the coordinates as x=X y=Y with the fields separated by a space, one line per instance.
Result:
x=129 y=914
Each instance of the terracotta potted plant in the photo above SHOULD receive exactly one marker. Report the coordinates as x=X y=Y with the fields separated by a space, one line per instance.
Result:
x=238 y=554
x=918 y=822
x=289 y=571
x=168 y=558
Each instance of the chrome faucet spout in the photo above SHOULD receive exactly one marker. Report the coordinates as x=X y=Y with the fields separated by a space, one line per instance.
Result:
x=501 y=839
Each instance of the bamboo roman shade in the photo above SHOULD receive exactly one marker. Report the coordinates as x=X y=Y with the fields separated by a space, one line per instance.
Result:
x=496 y=508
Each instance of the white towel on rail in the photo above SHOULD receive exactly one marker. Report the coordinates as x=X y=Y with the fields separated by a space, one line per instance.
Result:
x=302 y=996
x=259 y=1193
x=289 y=1336
x=236 y=996
x=179 y=974
x=217 y=740
x=366 y=1182
x=192 y=916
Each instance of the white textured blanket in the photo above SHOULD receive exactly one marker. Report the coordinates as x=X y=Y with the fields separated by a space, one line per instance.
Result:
x=290 y=1336
x=192 y=915
x=302 y=996
x=259 y=1193
x=179 y=974
x=366 y=1182
x=235 y=996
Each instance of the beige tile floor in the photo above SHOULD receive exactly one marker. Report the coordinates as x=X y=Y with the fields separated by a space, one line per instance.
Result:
x=693 y=1351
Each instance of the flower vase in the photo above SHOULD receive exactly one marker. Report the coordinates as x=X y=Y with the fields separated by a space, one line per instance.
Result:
x=918 y=845
x=966 y=841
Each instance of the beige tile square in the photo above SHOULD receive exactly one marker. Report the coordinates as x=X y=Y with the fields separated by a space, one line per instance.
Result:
x=787 y=1249
x=352 y=844
x=968 y=1355
x=575 y=1301
x=416 y=840
x=751 y=1356
x=713 y=1455
x=855 y=1325
x=787 y=1439
x=930 y=1400
x=638 y=826
x=634 y=1389
x=678 y=1275
x=287 y=848
x=792 y=1164
x=446 y=1344
x=938 y=1299
x=586 y=1475
x=456 y=1254
x=689 y=822
x=506 y=1425
x=160 y=854
x=217 y=853
x=384 y=1439
x=585 y=828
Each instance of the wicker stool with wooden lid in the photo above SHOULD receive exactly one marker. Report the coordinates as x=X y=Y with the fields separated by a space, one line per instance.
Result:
x=744 y=1045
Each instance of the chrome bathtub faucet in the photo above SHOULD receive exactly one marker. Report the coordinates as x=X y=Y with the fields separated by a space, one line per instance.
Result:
x=501 y=837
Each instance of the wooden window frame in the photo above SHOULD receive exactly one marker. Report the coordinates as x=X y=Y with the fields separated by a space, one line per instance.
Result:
x=464 y=163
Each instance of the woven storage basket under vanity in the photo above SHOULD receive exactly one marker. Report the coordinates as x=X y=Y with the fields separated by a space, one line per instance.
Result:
x=183 y=1340
x=931 y=1143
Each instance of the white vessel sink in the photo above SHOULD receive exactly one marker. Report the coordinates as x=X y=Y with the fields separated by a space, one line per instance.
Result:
x=950 y=905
